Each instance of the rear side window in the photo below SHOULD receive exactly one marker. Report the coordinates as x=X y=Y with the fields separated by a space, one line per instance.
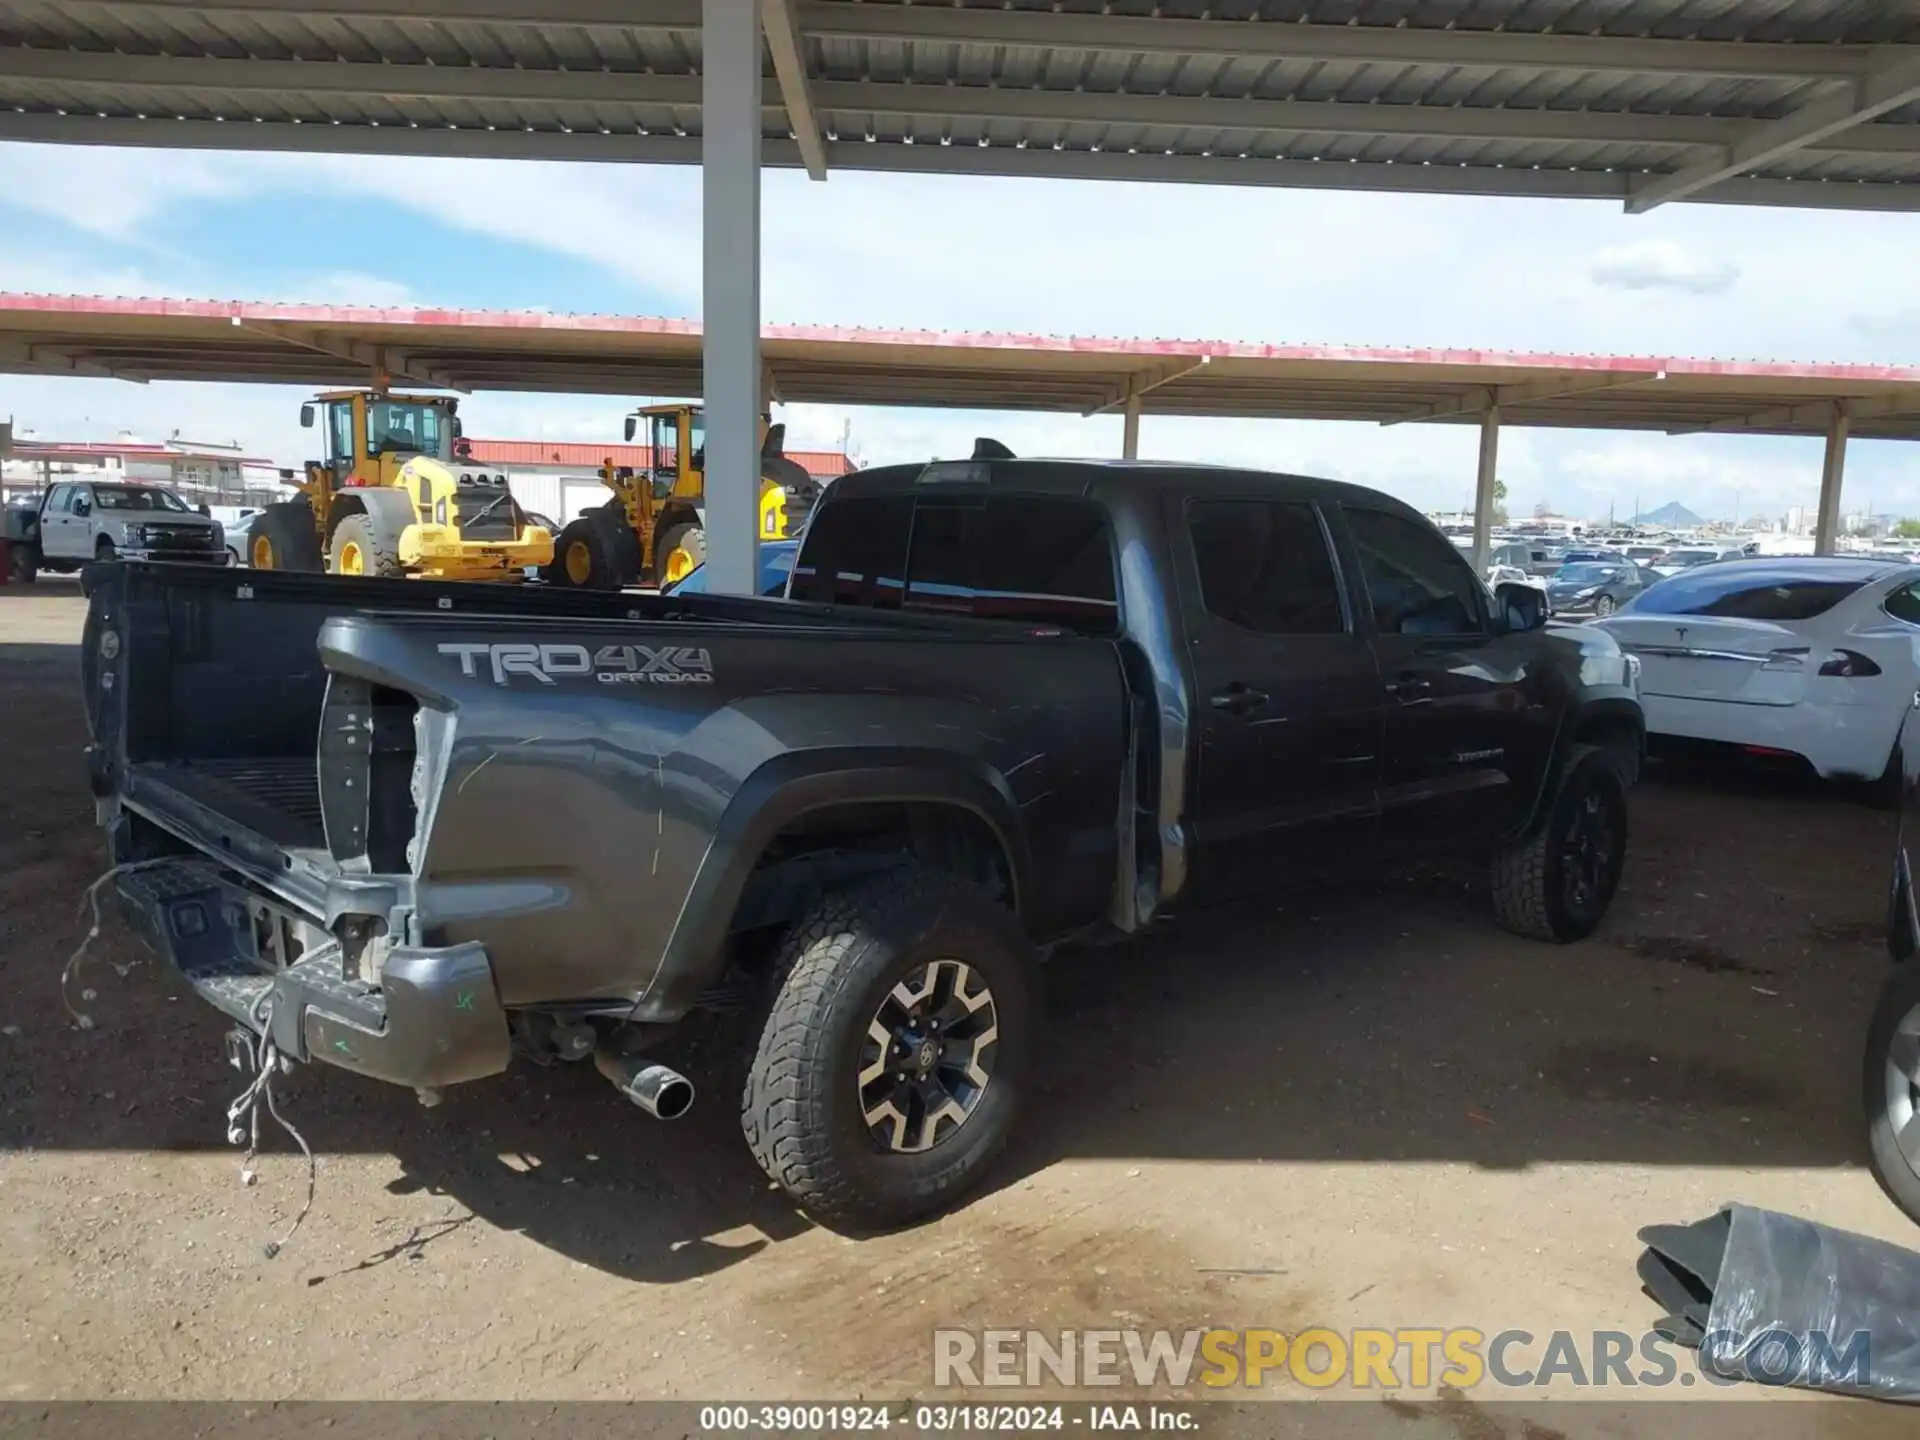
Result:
x=1032 y=559
x=1264 y=566
x=1417 y=582
x=1739 y=592
x=1028 y=558
x=1904 y=604
x=855 y=553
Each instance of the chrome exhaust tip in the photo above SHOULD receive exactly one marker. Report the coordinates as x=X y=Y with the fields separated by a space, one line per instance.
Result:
x=660 y=1090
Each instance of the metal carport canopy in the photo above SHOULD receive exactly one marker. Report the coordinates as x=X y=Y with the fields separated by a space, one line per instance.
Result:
x=1765 y=102
x=1794 y=102
x=632 y=355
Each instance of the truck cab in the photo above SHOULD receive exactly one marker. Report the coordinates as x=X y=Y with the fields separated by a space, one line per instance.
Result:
x=79 y=522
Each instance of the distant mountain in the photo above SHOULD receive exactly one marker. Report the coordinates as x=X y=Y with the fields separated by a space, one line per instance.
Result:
x=1671 y=516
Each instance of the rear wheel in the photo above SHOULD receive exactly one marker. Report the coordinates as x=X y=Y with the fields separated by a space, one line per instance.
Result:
x=1891 y=1089
x=282 y=538
x=889 y=1072
x=679 y=552
x=359 y=548
x=583 y=557
x=1557 y=883
x=26 y=562
x=1603 y=607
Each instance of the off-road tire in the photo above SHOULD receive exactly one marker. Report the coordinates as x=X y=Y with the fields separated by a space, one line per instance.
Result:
x=602 y=568
x=801 y=1107
x=26 y=562
x=1891 y=1168
x=687 y=535
x=287 y=527
x=382 y=551
x=1528 y=895
x=103 y=550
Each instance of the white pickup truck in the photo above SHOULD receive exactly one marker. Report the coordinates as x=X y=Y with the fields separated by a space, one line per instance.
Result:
x=78 y=522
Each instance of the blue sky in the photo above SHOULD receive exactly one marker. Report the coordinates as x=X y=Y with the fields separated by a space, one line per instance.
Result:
x=1085 y=258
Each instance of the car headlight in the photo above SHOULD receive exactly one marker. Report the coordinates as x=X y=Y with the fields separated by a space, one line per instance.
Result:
x=1588 y=593
x=140 y=534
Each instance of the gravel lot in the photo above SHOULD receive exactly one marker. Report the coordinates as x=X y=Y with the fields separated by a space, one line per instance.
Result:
x=1392 y=1113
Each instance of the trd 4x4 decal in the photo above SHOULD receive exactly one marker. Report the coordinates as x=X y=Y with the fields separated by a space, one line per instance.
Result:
x=610 y=664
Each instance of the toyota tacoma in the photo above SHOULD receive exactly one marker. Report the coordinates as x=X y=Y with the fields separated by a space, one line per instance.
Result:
x=413 y=829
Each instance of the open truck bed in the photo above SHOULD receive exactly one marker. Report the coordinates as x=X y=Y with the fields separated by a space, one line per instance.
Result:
x=380 y=817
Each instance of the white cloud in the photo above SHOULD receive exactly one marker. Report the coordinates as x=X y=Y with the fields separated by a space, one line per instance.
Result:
x=1663 y=265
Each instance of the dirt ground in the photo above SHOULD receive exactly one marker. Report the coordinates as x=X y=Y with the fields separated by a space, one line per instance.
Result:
x=1362 y=1107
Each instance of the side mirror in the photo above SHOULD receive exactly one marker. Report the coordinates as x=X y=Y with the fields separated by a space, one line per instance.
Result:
x=82 y=505
x=206 y=511
x=1521 y=606
x=776 y=442
x=633 y=423
x=458 y=428
x=306 y=417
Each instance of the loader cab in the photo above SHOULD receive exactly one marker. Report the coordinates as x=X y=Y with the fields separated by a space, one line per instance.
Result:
x=368 y=435
x=677 y=442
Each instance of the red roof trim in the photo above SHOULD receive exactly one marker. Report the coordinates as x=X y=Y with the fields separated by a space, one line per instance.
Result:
x=239 y=310
x=587 y=455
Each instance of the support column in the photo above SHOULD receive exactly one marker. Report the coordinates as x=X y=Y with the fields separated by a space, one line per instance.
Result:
x=730 y=288
x=1130 y=432
x=1483 y=487
x=1833 y=470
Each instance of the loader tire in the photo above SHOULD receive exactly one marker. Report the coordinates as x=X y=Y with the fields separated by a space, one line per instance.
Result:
x=1556 y=883
x=933 y=963
x=678 y=553
x=282 y=538
x=584 y=557
x=360 y=548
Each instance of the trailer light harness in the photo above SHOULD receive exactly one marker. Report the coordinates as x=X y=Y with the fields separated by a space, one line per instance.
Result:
x=259 y=1051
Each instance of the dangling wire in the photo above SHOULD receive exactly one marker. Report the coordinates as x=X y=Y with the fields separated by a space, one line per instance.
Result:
x=243 y=1117
x=90 y=904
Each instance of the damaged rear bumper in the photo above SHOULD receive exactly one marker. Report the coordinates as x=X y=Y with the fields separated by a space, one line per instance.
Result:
x=434 y=1018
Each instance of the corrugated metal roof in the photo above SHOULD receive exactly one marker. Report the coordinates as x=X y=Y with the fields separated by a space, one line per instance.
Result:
x=1804 y=102
x=821 y=464
x=638 y=355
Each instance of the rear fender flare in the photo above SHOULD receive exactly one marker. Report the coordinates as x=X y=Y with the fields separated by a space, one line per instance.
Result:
x=790 y=786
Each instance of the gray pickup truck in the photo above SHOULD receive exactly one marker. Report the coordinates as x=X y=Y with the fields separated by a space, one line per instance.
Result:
x=411 y=829
x=76 y=523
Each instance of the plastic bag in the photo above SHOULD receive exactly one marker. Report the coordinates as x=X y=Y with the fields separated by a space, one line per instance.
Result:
x=1795 y=1303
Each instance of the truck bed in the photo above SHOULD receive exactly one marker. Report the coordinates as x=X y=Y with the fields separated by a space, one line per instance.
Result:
x=553 y=773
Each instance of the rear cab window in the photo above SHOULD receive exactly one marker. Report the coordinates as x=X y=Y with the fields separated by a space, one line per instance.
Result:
x=1029 y=559
x=1744 y=592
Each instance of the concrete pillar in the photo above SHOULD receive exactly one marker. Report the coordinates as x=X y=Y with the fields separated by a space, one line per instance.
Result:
x=1483 y=487
x=1832 y=471
x=1130 y=433
x=730 y=288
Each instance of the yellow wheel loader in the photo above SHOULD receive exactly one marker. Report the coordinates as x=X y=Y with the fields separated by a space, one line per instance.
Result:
x=655 y=527
x=394 y=495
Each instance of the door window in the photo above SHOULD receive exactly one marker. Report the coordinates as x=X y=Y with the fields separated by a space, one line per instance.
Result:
x=1417 y=582
x=1264 y=566
x=57 y=499
x=340 y=430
